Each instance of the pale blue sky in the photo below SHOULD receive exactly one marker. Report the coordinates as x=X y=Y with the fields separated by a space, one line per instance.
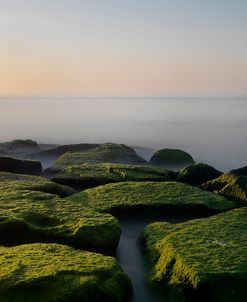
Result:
x=119 y=47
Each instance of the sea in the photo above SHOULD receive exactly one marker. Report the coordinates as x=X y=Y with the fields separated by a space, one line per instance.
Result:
x=212 y=129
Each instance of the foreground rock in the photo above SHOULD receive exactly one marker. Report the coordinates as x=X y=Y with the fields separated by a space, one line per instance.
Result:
x=206 y=258
x=162 y=196
x=92 y=175
x=232 y=185
x=106 y=153
x=8 y=164
x=52 y=272
x=197 y=174
x=28 y=215
x=171 y=159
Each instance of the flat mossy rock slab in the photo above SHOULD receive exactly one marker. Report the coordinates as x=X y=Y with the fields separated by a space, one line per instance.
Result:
x=197 y=174
x=106 y=153
x=34 y=183
x=53 y=272
x=13 y=165
x=91 y=175
x=28 y=215
x=207 y=257
x=171 y=158
x=134 y=196
x=232 y=185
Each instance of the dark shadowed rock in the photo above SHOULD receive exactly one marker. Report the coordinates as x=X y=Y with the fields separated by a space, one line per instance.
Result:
x=8 y=164
x=197 y=174
x=171 y=158
x=19 y=148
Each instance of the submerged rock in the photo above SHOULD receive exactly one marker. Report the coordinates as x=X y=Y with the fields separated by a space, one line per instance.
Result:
x=197 y=174
x=206 y=258
x=171 y=158
x=92 y=175
x=28 y=214
x=8 y=164
x=127 y=197
x=106 y=153
x=52 y=272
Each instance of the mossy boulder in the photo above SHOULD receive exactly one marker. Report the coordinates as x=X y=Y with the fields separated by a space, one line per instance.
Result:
x=106 y=153
x=92 y=175
x=28 y=215
x=48 y=156
x=8 y=164
x=162 y=196
x=206 y=258
x=171 y=159
x=232 y=185
x=53 y=272
x=197 y=174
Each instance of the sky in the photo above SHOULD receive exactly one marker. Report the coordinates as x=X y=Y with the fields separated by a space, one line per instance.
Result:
x=123 y=47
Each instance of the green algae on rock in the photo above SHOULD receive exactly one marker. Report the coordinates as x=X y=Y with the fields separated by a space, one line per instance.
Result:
x=171 y=158
x=132 y=196
x=91 y=175
x=232 y=185
x=105 y=153
x=197 y=174
x=53 y=272
x=207 y=257
x=28 y=215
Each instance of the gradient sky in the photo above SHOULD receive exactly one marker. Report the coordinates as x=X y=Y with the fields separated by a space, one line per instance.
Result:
x=123 y=47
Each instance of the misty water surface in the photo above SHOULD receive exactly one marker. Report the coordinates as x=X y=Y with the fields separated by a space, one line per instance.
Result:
x=213 y=130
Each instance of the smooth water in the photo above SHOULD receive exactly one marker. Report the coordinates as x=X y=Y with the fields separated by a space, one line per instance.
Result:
x=212 y=130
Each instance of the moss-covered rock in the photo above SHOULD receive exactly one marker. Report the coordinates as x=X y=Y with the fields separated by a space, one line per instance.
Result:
x=207 y=257
x=232 y=185
x=29 y=215
x=92 y=175
x=52 y=272
x=132 y=196
x=9 y=164
x=106 y=153
x=197 y=174
x=171 y=158
x=19 y=147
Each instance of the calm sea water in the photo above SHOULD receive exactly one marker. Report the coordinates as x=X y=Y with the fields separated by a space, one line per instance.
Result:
x=212 y=130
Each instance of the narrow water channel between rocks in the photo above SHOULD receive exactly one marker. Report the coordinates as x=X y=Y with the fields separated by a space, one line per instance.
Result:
x=131 y=257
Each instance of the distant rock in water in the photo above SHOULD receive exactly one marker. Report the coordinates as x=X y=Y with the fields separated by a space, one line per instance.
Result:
x=171 y=158
x=105 y=153
x=232 y=185
x=19 y=147
x=197 y=174
x=8 y=164
x=50 y=155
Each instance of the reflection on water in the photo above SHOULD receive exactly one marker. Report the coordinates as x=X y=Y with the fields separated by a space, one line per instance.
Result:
x=213 y=130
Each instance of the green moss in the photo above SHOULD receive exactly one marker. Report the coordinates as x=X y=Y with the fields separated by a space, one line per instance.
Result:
x=202 y=255
x=232 y=185
x=119 y=197
x=197 y=174
x=106 y=153
x=52 y=272
x=28 y=215
x=171 y=158
x=91 y=175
